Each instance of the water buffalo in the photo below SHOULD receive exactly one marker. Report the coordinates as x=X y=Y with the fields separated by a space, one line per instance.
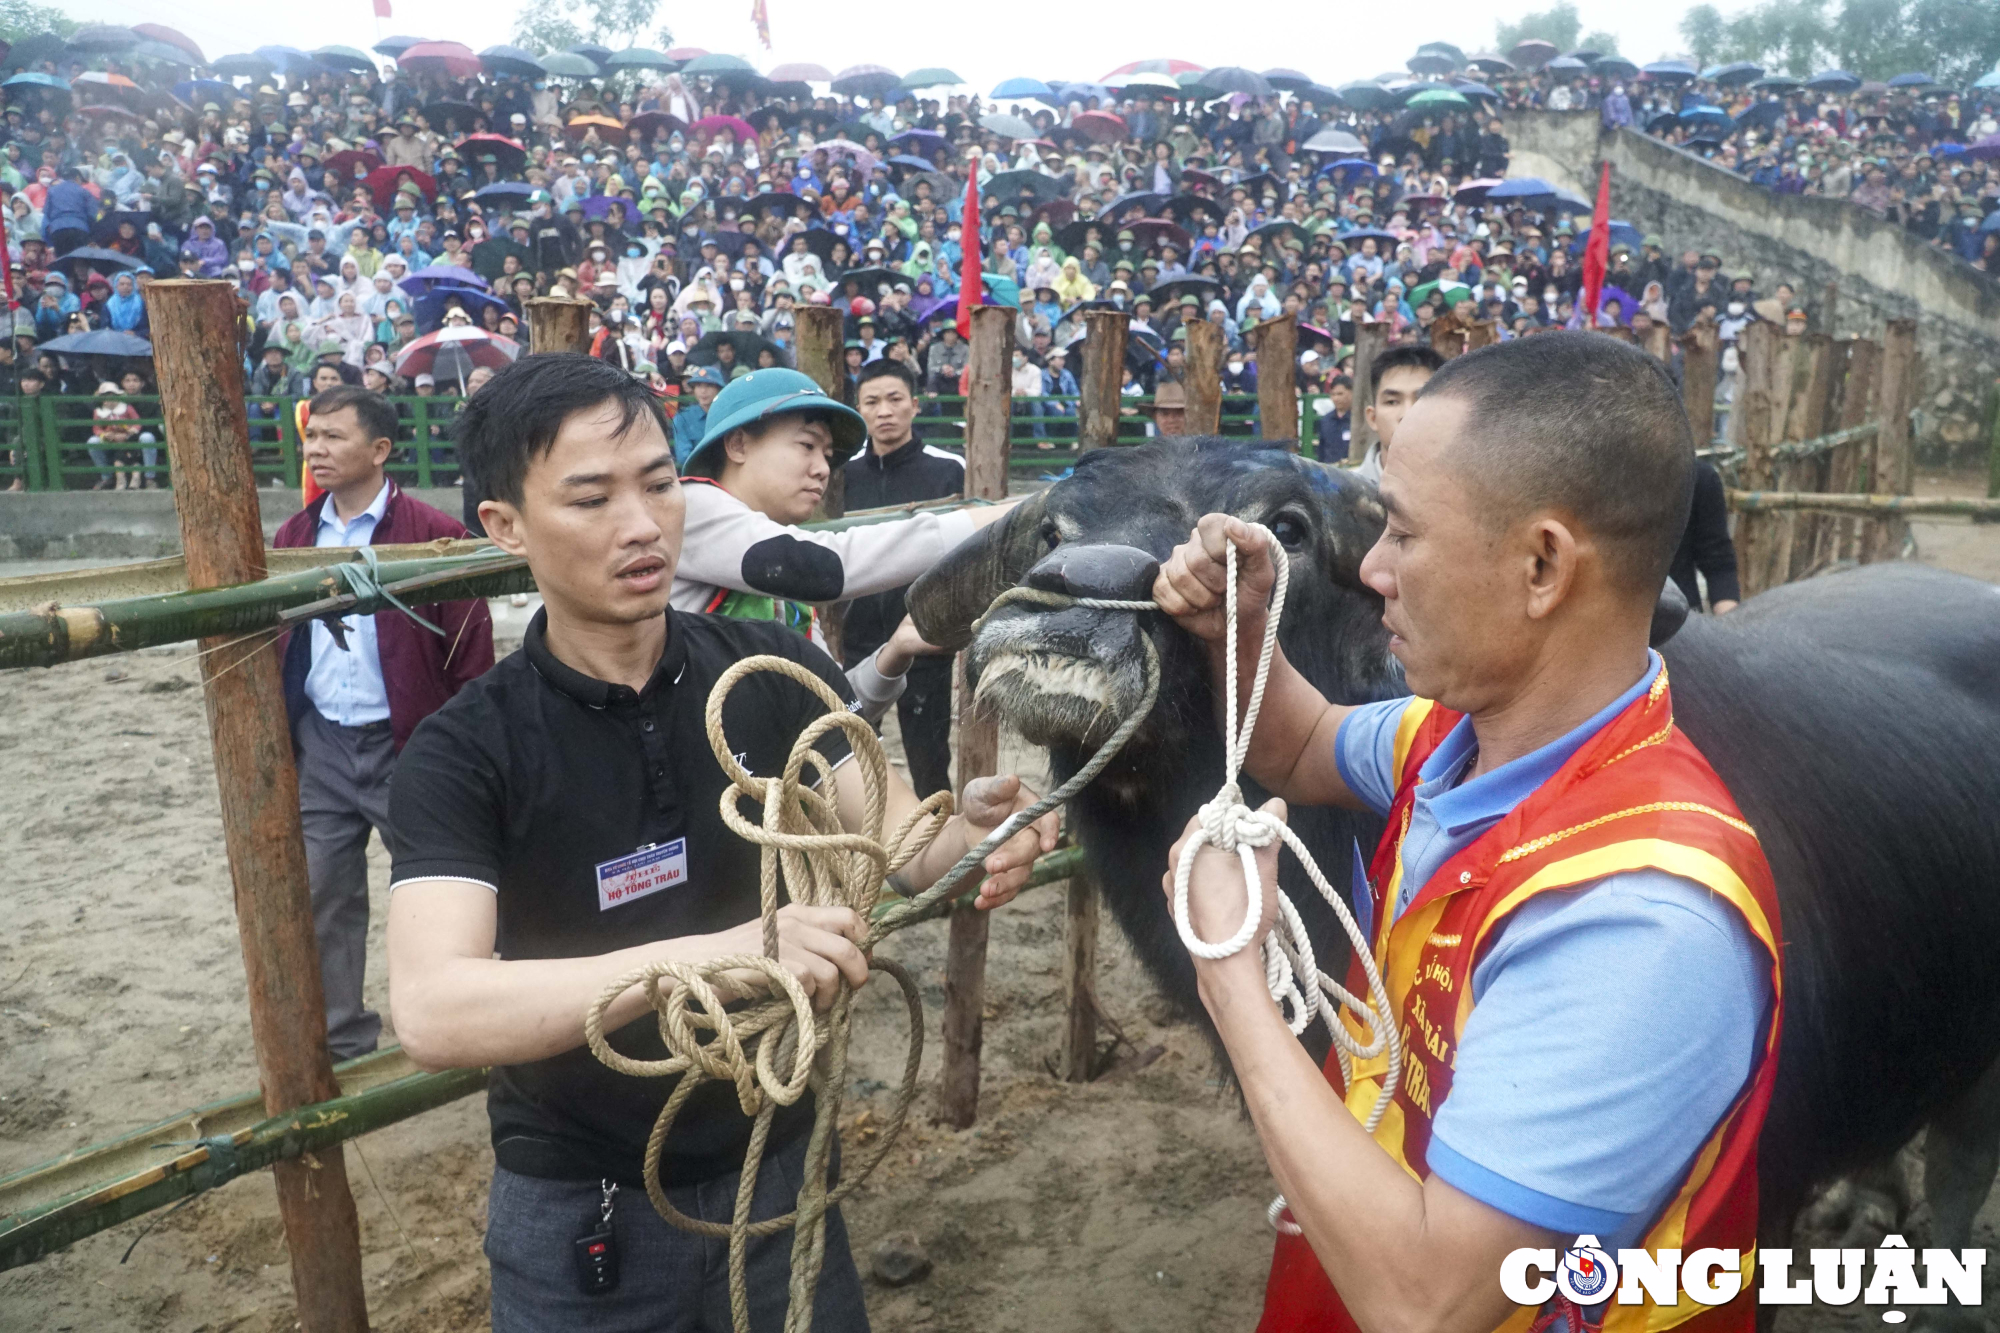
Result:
x=1855 y=717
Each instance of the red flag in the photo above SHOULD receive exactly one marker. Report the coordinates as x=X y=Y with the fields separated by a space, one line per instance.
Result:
x=309 y=490
x=970 y=292
x=1597 y=253
x=382 y=9
x=761 y=16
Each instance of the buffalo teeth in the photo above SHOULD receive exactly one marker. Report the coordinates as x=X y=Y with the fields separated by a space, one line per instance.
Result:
x=1049 y=674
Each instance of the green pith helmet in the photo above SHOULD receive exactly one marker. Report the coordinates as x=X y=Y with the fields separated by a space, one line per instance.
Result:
x=775 y=391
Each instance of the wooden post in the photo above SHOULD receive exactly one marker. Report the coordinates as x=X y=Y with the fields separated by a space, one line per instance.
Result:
x=1993 y=442
x=200 y=372
x=977 y=744
x=1448 y=335
x=1103 y=377
x=821 y=356
x=1761 y=397
x=1370 y=337
x=1276 y=343
x=1700 y=367
x=1848 y=462
x=1812 y=409
x=1482 y=333
x=1895 y=454
x=1204 y=378
x=1829 y=308
x=1659 y=345
x=1079 y=1039
x=558 y=324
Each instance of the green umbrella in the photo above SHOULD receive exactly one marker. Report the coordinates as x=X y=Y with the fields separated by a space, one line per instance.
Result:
x=1438 y=97
x=930 y=78
x=1423 y=290
x=569 y=65
x=345 y=57
x=718 y=64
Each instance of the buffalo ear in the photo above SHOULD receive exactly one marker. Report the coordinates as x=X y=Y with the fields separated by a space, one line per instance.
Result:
x=1351 y=515
x=957 y=590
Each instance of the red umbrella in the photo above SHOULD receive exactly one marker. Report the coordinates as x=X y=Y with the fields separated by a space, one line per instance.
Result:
x=799 y=73
x=453 y=58
x=474 y=344
x=709 y=126
x=353 y=162
x=683 y=54
x=160 y=32
x=511 y=155
x=382 y=183
x=1155 y=67
x=1099 y=126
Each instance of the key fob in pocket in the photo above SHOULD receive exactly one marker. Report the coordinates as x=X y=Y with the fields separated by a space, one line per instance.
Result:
x=597 y=1261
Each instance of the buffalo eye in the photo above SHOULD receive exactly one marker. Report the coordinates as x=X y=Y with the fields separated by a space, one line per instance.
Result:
x=1051 y=535
x=1289 y=530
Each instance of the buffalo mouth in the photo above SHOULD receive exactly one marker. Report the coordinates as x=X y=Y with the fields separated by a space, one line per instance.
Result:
x=1059 y=677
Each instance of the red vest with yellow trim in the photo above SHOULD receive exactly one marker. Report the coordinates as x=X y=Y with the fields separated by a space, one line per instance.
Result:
x=1638 y=795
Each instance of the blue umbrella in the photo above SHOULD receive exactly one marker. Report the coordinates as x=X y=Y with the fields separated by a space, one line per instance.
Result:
x=36 y=79
x=426 y=280
x=502 y=192
x=1707 y=118
x=1470 y=89
x=1765 y=115
x=99 y=342
x=1522 y=187
x=395 y=46
x=1083 y=92
x=1988 y=80
x=1834 y=81
x=1622 y=233
x=919 y=141
x=285 y=59
x=246 y=65
x=1024 y=88
x=196 y=91
x=430 y=307
x=1912 y=81
x=1356 y=164
x=1668 y=69
x=1566 y=65
x=908 y=160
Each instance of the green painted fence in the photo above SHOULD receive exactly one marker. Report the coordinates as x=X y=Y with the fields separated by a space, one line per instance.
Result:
x=46 y=441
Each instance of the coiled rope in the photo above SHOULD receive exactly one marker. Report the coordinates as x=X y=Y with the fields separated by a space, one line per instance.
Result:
x=1228 y=824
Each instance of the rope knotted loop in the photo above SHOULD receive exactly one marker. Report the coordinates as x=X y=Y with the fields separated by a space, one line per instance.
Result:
x=1227 y=823
x=363 y=577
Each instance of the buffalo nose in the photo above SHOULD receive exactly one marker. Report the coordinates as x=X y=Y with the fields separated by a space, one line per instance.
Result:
x=1116 y=573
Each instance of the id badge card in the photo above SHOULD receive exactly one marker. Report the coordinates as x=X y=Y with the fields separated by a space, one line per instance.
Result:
x=654 y=867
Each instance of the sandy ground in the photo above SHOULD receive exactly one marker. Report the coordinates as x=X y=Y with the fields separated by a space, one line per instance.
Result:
x=1134 y=1202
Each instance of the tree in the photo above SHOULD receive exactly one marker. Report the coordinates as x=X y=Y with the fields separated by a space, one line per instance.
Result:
x=550 y=25
x=1604 y=43
x=20 y=19
x=1558 y=25
x=1952 y=40
x=1702 y=30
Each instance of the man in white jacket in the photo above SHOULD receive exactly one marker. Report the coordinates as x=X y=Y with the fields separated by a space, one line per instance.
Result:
x=771 y=444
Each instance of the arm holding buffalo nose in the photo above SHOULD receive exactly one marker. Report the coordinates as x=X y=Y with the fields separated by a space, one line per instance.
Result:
x=1402 y=1253
x=1292 y=750
x=986 y=804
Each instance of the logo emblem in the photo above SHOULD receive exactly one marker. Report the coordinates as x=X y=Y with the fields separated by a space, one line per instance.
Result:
x=1587 y=1275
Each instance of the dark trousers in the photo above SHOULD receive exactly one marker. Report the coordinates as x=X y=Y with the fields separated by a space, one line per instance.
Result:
x=669 y=1281
x=924 y=715
x=343 y=792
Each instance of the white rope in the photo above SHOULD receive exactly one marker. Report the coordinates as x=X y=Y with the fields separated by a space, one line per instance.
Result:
x=1301 y=991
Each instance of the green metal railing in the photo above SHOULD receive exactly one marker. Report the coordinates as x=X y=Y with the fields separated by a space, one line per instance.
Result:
x=46 y=441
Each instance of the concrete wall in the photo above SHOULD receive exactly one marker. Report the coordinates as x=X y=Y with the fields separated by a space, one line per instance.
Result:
x=127 y=525
x=1882 y=271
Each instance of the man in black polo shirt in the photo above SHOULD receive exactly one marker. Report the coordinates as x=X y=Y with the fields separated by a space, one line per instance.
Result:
x=898 y=468
x=558 y=827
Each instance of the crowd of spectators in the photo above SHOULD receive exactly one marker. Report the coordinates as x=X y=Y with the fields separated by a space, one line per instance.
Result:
x=364 y=209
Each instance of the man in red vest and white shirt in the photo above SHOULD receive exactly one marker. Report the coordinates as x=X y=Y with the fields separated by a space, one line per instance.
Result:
x=1575 y=926
x=355 y=698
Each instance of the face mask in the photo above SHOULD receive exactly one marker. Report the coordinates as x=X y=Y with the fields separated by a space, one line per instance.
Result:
x=1735 y=307
x=1235 y=366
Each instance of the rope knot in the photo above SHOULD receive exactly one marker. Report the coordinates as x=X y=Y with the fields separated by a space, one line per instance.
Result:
x=1228 y=823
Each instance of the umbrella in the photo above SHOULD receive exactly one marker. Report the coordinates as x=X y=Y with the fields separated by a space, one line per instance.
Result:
x=609 y=128
x=649 y=124
x=512 y=60
x=907 y=161
x=1985 y=149
x=933 y=77
x=395 y=46
x=1567 y=65
x=747 y=347
x=597 y=207
x=1532 y=53
x=382 y=183
x=1438 y=97
x=248 y=65
x=1618 y=67
x=1149 y=232
x=196 y=91
x=1186 y=208
x=863 y=159
x=1707 y=118
x=489 y=257
x=595 y=52
x=1988 y=80
x=1872 y=89
x=1741 y=71
x=1143 y=81
x=1154 y=67
x=569 y=65
x=96 y=257
x=1764 y=115
x=103 y=37
x=1287 y=80
x=352 y=162
x=160 y=32
x=1365 y=96
x=1148 y=203
x=99 y=342
x=503 y=194
x=801 y=73
x=729 y=71
x=1099 y=126
x=106 y=227
x=1334 y=141
x=1777 y=83
x=1834 y=81
x=466 y=342
x=288 y=59
x=1585 y=54
x=1490 y=63
x=709 y=126
x=1073 y=236
x=344 y=57
x=1445 y=50
x=1669 y=70
x=1469 y=88
x=680 y=55
x=1351 y=239
x=1992 y=223
x=1274 y=234
x=1011 y=185
x=444 y=111
x=426 y=280
x=920 y=143
x=1912 y=81
x=1423 y=291
x=431 y=306
x=866 y=81
x=1522 y=187
x=1352 y=164
x=1082 y=92
x=1173 y=289
x=34 y=51
x=1475 y=190
x=35 y=81
x=1034 y=88
x=1007 y=127
x=1430 y=64
x=99 y=84
x=639 y=57
x=452 y=58
x=769 y=201
x=1236 y=79
x=871 y=280
x=511 y=156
